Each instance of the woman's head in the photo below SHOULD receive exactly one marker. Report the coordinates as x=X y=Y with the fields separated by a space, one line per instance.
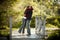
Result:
x=29 y=7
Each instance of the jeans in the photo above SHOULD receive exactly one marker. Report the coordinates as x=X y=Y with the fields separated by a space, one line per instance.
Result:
x=25 y=23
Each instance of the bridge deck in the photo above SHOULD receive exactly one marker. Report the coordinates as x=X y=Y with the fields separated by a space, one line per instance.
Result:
x=16 y=35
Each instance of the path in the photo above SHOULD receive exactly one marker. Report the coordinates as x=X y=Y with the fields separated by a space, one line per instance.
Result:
x=33 y=36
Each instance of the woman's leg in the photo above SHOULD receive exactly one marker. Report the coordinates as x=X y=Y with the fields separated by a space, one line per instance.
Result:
x=22 y=26
x=23 y=30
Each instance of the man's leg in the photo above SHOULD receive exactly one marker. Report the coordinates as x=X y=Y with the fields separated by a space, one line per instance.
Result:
x=28 y=27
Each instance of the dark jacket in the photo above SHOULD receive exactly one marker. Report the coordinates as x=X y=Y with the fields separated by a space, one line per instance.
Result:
x=28 y=13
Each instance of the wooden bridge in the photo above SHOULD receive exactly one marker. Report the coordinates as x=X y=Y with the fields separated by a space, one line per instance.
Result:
x=35 y=33
x=19 y=36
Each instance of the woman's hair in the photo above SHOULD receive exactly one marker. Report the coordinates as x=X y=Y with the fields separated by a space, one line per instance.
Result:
x=29 y=6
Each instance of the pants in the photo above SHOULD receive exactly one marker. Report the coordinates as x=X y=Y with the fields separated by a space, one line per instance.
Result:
x=25 y=23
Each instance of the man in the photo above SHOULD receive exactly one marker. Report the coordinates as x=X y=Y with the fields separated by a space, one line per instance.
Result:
x=26 y=21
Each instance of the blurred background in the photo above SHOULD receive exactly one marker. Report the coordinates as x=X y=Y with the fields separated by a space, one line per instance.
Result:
x=16 y=8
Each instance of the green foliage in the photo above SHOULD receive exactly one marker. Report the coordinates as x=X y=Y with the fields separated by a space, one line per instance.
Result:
x=58 y=11
x=54 y=21
x=17 y=25
x=16 y=8
x=33 y=22
x=54 y=36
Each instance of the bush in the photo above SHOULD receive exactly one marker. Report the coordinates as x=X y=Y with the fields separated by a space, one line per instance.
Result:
x=32 y=22
x=54 y=21
x=54 y=36
x=17 y=25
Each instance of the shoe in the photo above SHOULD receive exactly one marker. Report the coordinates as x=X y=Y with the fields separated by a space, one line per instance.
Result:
x=22 y=33
x=28 y=34
x=19 y=31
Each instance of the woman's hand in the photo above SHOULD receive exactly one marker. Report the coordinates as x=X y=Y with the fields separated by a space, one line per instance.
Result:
x=24 y=17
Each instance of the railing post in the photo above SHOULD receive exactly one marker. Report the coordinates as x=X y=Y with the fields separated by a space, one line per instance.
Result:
x=43 y=26
x=40 y=25
x=10 y=24
x=36 y=24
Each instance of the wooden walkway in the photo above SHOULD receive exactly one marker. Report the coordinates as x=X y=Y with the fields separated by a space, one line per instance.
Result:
x=17 y=36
